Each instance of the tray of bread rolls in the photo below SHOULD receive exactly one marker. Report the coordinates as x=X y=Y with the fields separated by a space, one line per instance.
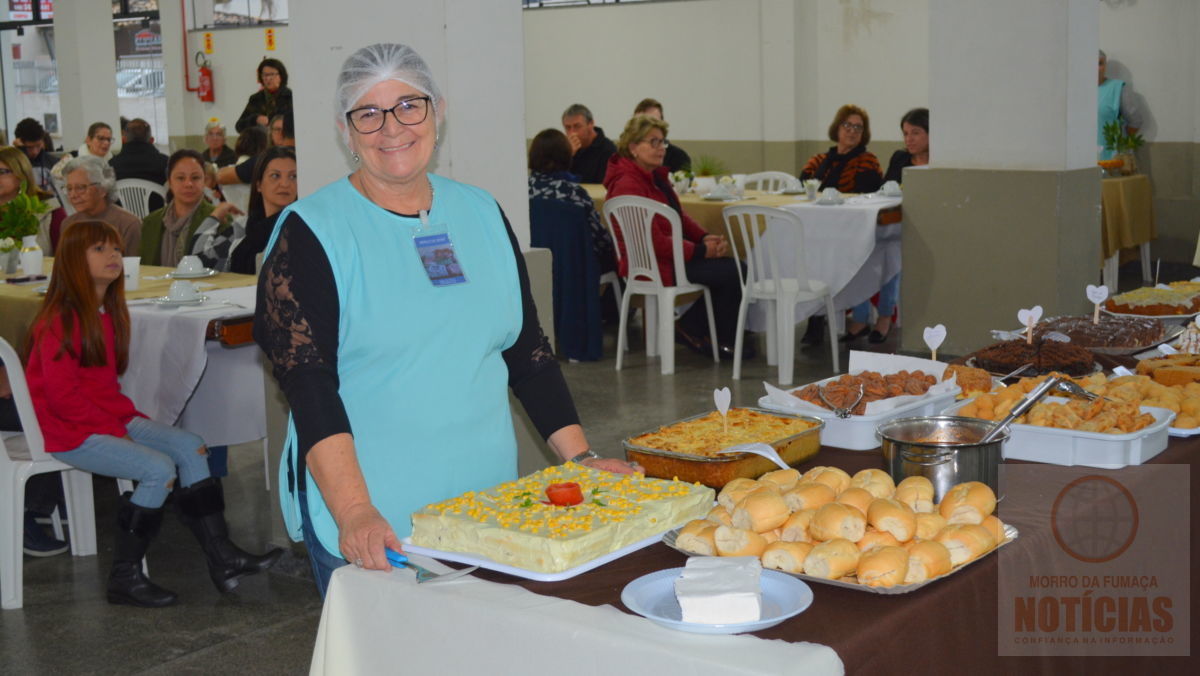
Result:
x=861 y=532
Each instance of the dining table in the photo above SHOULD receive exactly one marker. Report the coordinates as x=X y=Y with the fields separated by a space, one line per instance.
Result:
x=1126 y=221
x=852 y=246
x=373 y=619
x=180 y=370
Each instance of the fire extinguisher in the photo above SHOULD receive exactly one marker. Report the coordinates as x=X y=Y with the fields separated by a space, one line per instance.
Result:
x=205 y=90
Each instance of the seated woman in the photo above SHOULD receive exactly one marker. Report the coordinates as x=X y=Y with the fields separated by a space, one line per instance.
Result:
x=78 y=347
x=549 y=159
x=915 y=126
x=90 y=183
x=847 y=166
x=168 y=233
x=273 y=189
x=15 y=172
x=637 y=169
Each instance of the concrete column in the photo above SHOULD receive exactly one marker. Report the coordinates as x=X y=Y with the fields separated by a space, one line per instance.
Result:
x=1008 y=214
x=87 y=71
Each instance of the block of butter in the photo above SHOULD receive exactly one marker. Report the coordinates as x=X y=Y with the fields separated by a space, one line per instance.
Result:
x=720 y=590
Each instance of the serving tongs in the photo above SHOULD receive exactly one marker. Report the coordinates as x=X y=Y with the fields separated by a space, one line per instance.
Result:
x=1072 y=388
x=757 y=448
x=1022 y=407
x=840 y=412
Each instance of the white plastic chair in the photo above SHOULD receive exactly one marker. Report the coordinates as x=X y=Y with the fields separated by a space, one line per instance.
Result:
x=773 y=182
x=764 y=280
x=22 y=455
x=613 y=279
x=634 y=216
x=135 y=195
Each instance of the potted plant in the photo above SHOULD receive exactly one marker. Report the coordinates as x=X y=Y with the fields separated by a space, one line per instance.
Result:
x=1123 y=144
x=706 y=168
x=19 y=224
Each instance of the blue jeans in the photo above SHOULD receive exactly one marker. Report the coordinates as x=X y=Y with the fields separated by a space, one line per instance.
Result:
x=150 y=459
x=323 y=563
x=889 y=294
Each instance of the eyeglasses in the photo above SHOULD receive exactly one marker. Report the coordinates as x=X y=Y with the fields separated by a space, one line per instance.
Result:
x=269 y=74
x=103 y=139
x=657 y=142
x=408 y=112
x=79 y=188
x=850 y=126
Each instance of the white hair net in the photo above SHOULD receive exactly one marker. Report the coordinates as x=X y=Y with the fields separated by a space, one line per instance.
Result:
x=382 y=62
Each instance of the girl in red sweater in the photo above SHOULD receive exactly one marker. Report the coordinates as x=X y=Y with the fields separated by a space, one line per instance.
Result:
x=78 y=346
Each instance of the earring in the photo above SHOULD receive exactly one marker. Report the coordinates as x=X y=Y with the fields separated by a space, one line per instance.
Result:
x=355 y=157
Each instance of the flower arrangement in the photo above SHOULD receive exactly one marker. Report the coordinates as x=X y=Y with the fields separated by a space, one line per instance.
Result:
x=19 y=218
x=1119 y=141
x=707 y=165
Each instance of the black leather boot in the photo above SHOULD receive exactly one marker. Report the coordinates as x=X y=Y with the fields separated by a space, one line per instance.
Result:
x=136 y=527
x=202 y=510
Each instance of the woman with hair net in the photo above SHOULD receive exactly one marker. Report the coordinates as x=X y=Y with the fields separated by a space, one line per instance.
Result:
x=395 y=308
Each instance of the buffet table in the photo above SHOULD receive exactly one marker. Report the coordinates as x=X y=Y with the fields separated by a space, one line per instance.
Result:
x=1126 y=220
x=374 y=620
x=174 y=374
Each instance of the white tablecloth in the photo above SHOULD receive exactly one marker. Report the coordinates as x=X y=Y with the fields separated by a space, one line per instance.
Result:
x=214 y=391
x=384 y=623
x=843 y=247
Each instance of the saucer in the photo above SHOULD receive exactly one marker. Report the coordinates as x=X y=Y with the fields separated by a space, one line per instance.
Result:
x=206 y=272
x=166 y=301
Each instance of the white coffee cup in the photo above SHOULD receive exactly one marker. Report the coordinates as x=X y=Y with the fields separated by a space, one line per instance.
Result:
x=831 y=195
x=182 y=291
x=891 y=189
x=190 y=265
x=133 y=268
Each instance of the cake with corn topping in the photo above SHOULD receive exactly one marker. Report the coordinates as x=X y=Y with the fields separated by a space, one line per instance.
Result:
x=516 y=525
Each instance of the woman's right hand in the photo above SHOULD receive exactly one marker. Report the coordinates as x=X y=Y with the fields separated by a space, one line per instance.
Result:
x=363 y=534
x=715 y=246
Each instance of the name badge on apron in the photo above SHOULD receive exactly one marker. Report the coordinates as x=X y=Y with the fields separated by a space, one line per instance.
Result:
x=436 y=251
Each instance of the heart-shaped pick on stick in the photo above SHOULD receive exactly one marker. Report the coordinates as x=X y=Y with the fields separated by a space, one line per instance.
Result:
x=722 y=397
x=1028 y=318
x=934 y=336
x=1097 y=294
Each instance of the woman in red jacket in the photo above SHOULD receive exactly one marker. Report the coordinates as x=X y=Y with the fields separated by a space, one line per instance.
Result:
x=637 y=169
x=78 y=347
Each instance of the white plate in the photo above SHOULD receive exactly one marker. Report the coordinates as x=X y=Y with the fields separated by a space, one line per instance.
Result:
x=42 y=290
x=712 y=198
x=167 y=302
x=208 y=272
x=829 y=203
x=1183 y=431
x=484 y=562
x=653 y=597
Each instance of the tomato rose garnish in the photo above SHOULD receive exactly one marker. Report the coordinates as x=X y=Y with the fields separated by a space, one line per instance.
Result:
x=564 y=494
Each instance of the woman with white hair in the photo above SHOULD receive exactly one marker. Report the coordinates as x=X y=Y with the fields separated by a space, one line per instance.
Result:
x=395 y=307
x=89 y=187
x=216 y=150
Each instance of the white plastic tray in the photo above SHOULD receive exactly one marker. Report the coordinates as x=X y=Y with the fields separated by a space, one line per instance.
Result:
x=857 y=433
x=1091 y=449
x=484 y=562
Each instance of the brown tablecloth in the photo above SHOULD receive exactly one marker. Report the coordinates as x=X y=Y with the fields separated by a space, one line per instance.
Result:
x=949 y=627
x=19 y=304
x=1126 y=213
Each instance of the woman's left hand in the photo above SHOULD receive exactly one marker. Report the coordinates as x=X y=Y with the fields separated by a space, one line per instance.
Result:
x=224 y=210
x=716 y=245
x=613 y=465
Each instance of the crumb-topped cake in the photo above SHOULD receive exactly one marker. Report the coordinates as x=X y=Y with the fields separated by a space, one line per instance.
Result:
x=1111 y=331
x=560 y=517
x=1045 y=355
x=706 y=435
x=1177 y=300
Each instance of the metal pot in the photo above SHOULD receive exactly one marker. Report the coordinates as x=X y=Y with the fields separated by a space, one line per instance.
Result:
x=944 y=449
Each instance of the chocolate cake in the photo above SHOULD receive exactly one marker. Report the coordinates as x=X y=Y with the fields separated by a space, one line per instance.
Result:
x=1111 y=332
x=1045 y=355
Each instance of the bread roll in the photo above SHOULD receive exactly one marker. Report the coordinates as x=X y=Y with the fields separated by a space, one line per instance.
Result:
x=795 y=529
x=883 y=566
x=836 y=520
x=877 y=538
x=968 y=502
x=772 y=535
x=730 y=541
x=876 y=482
x=697 y=537
x=720 y=516
x=761 y=511
x=965 y=541
x=833 y=477
x=894 y=517
x=832 y=560
x=917 y=493
x=734 y=491
x=929 y=525
x=786 y=556
x=926 y=560
x=859 y=498
x=783 y=478
x=808 y=495
x=995 y=527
